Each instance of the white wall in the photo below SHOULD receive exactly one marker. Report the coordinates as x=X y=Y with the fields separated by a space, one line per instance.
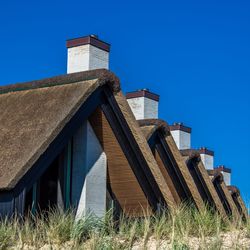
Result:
x=86 y=57
x=208 y=161
x=182 y=139
x=89 y=173
x=143 y=108
x=227 y=178
x=99 y=59
x=150 y=108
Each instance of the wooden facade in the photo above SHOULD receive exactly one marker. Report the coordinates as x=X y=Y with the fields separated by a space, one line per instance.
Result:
x=130 y=183
x=239 y=203
x=225 y=196
x=170 y=162
x=123 y=183
x=203 y=182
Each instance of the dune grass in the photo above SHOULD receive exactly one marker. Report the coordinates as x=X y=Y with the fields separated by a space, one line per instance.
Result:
x=175 y=226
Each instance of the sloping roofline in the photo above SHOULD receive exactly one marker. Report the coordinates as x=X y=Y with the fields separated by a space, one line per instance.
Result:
x=184 y=176
x=95 y=78
x=103 y=75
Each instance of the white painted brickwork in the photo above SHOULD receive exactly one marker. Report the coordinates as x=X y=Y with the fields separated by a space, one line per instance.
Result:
x=182 y=139
x=227 y=178
x=208 y=161
x=98 y=59
x=150 y=108
x=86 y=57
x=89 y=173
x=143 y=108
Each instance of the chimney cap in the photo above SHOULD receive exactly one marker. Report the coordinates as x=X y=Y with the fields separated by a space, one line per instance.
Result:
x=143 y=93
x=90 y=39
x=94 y=35
x=180 y=126
x=223 y=169
x=204 y=150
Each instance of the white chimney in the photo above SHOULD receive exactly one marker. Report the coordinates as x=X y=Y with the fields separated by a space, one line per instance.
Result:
x=207 y=157
x=87 y=53
x=226 y=172
x=181 y=135
x=144 y=104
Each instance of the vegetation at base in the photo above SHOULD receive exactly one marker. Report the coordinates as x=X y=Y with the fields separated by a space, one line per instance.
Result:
x=175 y=226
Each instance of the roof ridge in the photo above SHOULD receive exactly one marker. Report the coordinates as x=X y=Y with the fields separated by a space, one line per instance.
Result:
x=64 y=79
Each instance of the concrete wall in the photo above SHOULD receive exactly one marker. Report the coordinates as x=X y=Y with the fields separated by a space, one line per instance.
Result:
x=182 y=139
x=208 y=161
x=143 y=108
x=89 y=172
x=86 y=57
x=227 y=178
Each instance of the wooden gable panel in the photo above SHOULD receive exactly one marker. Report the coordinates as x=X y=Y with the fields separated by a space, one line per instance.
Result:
x=167 y=178
x=121 y=178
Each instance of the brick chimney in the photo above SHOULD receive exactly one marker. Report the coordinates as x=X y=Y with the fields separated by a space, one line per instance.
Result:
x=226 y=174
x=87 y=53
x=207 y=157
x=181 y=135
x=143 y=103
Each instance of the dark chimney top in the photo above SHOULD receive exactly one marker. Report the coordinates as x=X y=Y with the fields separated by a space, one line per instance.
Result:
x=180 y=126
x=223 y=168
x=204 y=150
x=143 y=93
x=91 y=39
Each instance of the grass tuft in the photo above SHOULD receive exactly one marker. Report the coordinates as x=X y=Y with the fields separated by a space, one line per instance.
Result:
x=5 y=234
x=182 y=227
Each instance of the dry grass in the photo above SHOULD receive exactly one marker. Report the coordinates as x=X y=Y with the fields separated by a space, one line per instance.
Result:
x=181 y=228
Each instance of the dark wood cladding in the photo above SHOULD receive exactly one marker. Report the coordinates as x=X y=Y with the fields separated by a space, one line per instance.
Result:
x=181 y=127
x=239 y=203
x=88 y=40
x=193 y=166
x=131 y=149
x=143 y=93
x=172 y=171
x=122 y=180
x=217 y=184
x=167 y=177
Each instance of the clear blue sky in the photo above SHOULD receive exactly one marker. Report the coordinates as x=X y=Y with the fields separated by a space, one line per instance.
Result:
x=195 y=54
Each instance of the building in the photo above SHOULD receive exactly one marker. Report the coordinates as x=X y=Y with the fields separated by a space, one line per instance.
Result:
x=170 y=161
x=238 y=201
x=202 y=180
x=74 y=141
x=224 y=194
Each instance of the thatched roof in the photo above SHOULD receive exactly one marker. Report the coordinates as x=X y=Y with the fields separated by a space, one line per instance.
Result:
x=193 y=154
x=190 y=154
x=234 y=190
x=216 y=175
x=149 y=127
x=144 y=147
x=33 y=114
x=236 y=193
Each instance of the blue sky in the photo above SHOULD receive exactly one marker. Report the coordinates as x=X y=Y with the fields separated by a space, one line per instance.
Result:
x=195 y=54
